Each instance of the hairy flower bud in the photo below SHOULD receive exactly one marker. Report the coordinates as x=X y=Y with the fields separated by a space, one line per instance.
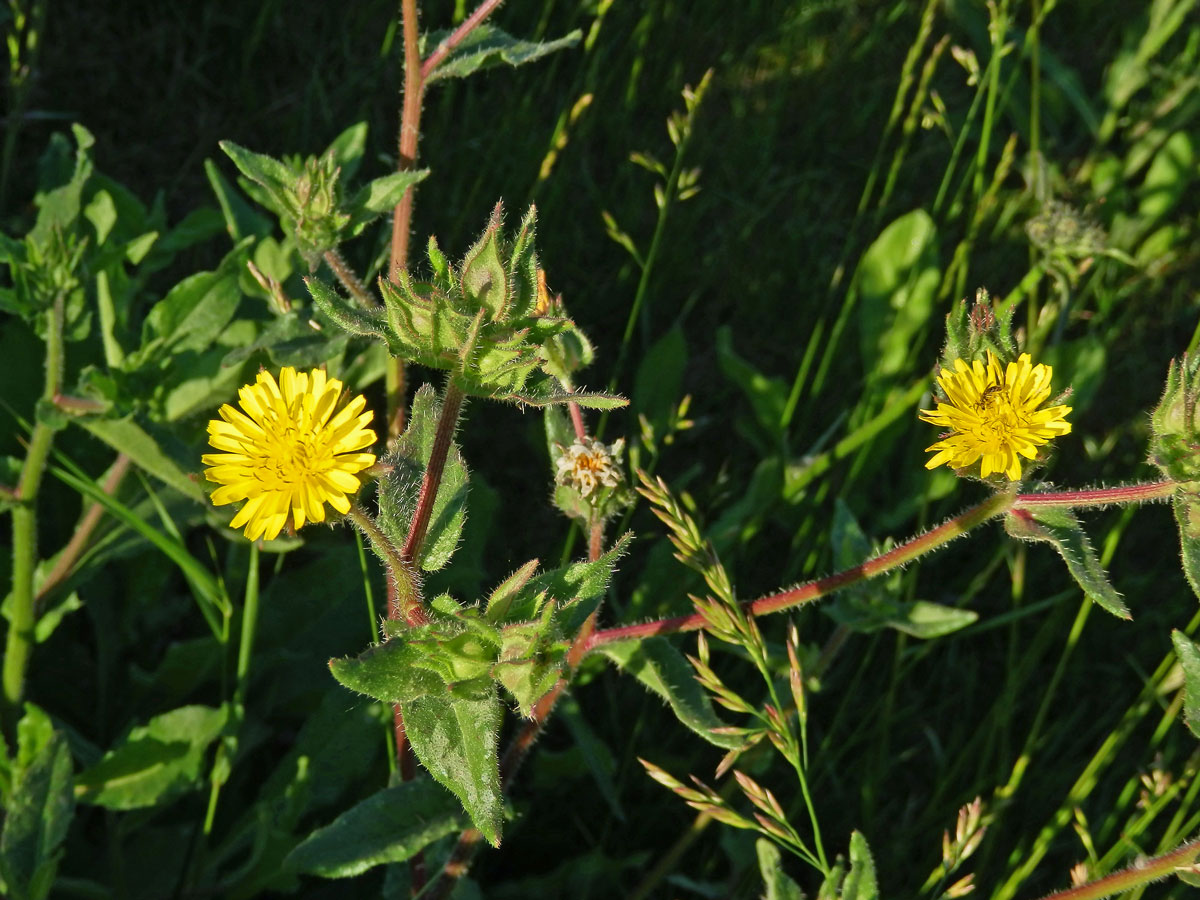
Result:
x=1175 y=423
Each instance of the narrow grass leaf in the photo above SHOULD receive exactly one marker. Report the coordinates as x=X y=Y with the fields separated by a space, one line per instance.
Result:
x=128 y=437
x=390 y=826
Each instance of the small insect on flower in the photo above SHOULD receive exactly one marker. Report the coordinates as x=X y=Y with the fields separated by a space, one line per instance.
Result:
x=993 y=416
x=289 y=450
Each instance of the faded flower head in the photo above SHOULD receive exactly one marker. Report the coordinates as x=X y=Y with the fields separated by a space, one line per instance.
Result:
x=992 y=415
x=290 y=449
x=588 y=464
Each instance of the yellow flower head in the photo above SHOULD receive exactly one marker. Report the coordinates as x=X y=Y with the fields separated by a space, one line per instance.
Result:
x=993 y=415
x=288 y=451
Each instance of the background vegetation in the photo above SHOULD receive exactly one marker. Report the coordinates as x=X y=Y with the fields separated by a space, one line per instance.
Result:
x=862 y=165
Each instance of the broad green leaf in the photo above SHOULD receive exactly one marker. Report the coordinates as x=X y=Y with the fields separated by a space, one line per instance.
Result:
x=1061 y=529
x=196 y=310
x=1189 y=659
x=389 y=826
x=277 y=179
x=860 y=881
x=128 y=437
x=381 y=195
x=488 y=46
x=1186 y=505
x=348 y=148
x=156 y=762
x=663 y=670
x=39 y=808
x=59 y=203
x=399 y=490
x=896 y=282
x=770 y=866
x=455 y=738
x=1167 y=179
x=393 y=671
x=290 y=340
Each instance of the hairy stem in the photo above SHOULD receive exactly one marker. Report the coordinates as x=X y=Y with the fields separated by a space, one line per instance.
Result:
x=1139 y=874
x=814 y=590
x=19 y=643
x=469 y=24
x=447 y=422
x=401 y=574
x=350 y=281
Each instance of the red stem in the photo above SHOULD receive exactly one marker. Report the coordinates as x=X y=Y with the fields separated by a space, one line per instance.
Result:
x=448 y=420
x=577 y=421
x=1139 y=874
x=452 y=40
x=1126 y=493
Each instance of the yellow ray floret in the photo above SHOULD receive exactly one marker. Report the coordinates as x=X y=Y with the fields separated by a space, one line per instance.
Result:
x=993 y=417
x=288 y=451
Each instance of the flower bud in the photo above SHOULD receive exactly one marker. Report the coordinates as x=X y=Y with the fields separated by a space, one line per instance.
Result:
x=1175 y=425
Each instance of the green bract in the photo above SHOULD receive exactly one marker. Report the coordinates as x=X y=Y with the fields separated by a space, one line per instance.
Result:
x=488 y=319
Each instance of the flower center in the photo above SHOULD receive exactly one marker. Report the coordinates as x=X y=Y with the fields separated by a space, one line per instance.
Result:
x=999 y=417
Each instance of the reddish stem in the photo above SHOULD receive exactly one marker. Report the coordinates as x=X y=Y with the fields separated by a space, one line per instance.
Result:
x=1141 y=873
x=813 y=590
x=447 y=421
x=577 y=421
x=1126 y=493
x=452 y=40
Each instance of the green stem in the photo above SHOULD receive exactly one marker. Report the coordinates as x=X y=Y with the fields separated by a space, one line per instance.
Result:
x=1135 y=876
x=19 y=643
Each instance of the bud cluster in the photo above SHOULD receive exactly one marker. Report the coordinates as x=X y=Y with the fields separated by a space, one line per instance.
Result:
x=1175 y=423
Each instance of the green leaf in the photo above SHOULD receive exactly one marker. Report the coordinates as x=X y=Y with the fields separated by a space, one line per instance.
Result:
x=381 y=195
x=897 y=279
x=577 y=589
x=240 y=218
x=345 y=315
x=394 y=671
x=662 y=669
x=1189 y=659
x=390 y=826
x=500 y=601
x=1061 y=529
x=277 y=179
x=484 y=280
x=400 y=488
x=1186 y=505
x=770 y=865
x=659 y=379
x=197 y=309
x=487 y=46
x=348 y=147
x=128 y=437
x=767 y=394
x=38 y=810
x=455 y=738
x=860 y=880
x=156 y=762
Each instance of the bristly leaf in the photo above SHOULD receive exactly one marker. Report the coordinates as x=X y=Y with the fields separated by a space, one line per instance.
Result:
x=1061 y=529
x=455 y=738
x=380 y=195
x=273 y=176
x=770 y=866
x=860 y=881
x=662 y=669
x=1189 y=659
x=38 y=809
x=501 y=599
x=1186 y=505
x=395 y=671
x=487 y=46
x=346 y=316
x=398 y=492
x=577 y=589
x=390 y=826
